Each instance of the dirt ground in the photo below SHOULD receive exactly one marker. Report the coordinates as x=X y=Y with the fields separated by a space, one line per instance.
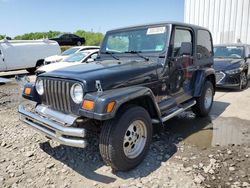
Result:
x=186 y=152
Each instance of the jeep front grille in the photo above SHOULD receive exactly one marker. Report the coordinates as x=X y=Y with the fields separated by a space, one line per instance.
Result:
x=57 y=94
x=219 y=76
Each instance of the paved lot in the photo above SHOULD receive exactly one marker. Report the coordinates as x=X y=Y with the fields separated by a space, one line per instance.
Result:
x=187 y=152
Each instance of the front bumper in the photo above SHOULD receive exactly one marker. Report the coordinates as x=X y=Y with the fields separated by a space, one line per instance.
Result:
x=224 y=80
x=54 y=129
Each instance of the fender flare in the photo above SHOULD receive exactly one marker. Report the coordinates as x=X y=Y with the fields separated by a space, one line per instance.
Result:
x=120 y=96
x=200 y=76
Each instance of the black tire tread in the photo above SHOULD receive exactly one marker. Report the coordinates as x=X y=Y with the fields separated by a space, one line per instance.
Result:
x=107 y=151
x=198 y=107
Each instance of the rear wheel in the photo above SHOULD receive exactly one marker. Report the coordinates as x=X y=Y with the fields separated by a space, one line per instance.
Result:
x=33 y=69
x=243 y=80
x=79 y=43
x=205 y=101
x=125 y=140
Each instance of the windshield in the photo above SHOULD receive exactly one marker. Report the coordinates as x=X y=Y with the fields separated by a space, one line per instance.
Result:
x=140 y=40
x=70 y=51
x=228 y=52
x=76 y=57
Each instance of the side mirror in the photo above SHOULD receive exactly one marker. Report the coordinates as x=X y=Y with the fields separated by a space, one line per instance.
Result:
x=90 y=60
x=186 y=48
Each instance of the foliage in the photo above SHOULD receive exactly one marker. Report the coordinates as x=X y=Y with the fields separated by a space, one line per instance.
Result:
x=91 y=38
x=63 y=48
x=37 y=35
x=2 y=37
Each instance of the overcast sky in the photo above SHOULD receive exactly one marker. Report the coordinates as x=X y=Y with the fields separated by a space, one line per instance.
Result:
x=22 y=16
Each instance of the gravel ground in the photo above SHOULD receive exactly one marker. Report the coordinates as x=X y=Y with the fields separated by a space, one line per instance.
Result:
x=185 y=153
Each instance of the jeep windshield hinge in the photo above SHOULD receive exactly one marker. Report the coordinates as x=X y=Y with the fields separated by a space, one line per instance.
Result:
x=98 y=87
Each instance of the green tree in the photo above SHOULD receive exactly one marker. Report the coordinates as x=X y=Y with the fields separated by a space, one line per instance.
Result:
x=2 y=37
x=37 y=35
x=91 y=38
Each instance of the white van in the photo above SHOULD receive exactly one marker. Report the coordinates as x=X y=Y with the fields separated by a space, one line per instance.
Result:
x=25 y=54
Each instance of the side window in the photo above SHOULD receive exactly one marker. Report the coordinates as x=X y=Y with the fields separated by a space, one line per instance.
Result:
x=73 y=36
x=204 y=44
x=66 y=36
x=0 y=52
x=181 y=35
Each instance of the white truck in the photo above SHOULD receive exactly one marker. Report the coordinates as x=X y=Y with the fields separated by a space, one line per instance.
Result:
x=25 y=54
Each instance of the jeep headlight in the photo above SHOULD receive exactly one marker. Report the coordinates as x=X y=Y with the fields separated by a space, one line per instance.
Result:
x=76 y=93
x=234 y=71
x=39 y=86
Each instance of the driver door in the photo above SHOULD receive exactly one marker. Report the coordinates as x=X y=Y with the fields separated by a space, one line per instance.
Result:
x=180 y=65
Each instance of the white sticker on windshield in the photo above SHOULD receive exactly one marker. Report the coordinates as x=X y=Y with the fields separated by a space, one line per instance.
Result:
x=156 y=30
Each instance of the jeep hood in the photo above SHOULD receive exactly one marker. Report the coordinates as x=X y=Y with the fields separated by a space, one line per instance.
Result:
x=226 y=64
x=111 y=73
x=55 y=66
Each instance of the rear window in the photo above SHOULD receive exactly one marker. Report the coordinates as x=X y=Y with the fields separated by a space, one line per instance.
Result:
x=204 y=44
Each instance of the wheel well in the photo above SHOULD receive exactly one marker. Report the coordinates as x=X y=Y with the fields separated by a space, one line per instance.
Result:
x=246 y=70
x=145 y=102
x=39 y=62
x=211 y=78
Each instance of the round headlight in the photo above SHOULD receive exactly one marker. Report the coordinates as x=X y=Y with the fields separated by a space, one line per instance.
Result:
x=39 y=86
x=76 y=93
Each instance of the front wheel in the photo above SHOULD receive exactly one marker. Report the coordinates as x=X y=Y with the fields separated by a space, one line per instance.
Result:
x=125 y=140
x=243 y=80
x=205 y=101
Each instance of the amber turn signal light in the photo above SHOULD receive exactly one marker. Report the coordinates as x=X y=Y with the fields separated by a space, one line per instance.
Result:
x=110 y=106
x=88 y=105
x=27 y=91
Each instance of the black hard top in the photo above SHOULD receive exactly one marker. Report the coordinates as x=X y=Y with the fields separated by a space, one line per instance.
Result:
x=160 y=24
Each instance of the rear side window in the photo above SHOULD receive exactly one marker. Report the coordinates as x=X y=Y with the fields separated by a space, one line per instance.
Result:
x=0 y=52
x=204 y=44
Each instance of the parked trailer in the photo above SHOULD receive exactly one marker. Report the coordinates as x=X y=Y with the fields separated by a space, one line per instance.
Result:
x=25 y=54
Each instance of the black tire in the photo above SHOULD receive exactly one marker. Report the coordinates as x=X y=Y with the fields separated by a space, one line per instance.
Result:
x=112 y=138
x=200 y=108
x=79 y=43
x=243 y=85
x=31 y=70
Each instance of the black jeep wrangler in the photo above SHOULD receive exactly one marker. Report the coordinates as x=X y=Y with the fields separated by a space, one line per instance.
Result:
x=144 y=75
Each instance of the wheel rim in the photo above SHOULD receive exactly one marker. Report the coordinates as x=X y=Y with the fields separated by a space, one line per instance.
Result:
x=208 y=98
x=79 y=43
x=135 y=139
x=243 y=80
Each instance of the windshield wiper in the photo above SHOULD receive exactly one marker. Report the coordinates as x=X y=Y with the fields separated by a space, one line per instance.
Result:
x=138 y=53
x=111 y=54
